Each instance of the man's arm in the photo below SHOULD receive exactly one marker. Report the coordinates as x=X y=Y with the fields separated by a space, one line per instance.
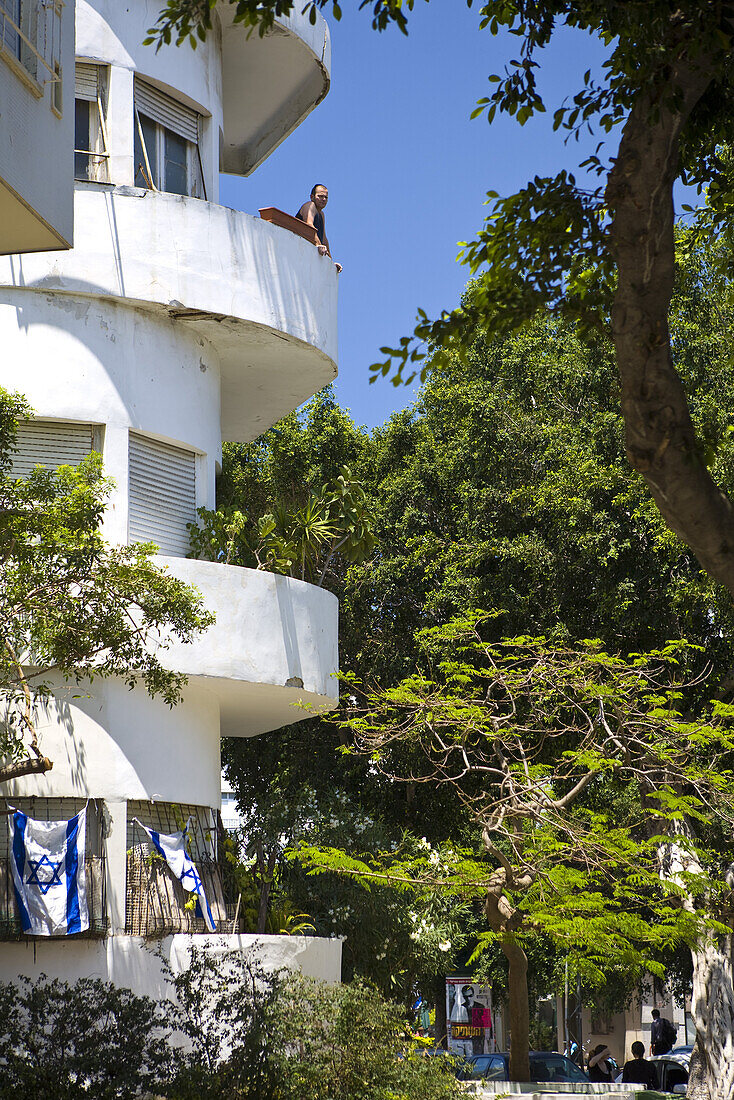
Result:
x=328 y=249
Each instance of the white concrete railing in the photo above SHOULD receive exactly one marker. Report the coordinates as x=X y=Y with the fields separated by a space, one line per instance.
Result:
x=272 y=654
x=262 y=297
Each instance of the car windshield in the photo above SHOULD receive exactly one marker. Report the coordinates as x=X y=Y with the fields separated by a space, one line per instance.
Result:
x=554 y=1067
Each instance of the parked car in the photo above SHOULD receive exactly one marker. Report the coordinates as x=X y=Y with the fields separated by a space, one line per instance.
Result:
x=544 y=1066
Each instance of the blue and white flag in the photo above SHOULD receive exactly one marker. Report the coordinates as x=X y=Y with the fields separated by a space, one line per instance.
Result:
x=172 y=847
x=47 y=859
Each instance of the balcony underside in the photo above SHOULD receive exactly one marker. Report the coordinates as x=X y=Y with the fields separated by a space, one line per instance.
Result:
x=23 y=229
x=269 y=84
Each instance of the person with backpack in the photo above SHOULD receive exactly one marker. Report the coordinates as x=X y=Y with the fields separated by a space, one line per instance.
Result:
x=662 y=1034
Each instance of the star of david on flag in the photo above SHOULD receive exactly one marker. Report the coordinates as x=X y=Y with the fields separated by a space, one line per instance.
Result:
x=47 y=861
x=172 y=848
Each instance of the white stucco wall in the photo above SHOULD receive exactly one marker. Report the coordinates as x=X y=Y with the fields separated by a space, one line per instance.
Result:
x=261 y=297
x=109 y=742
x=107 y=363
x=113 y=34
x=270 y=84
x=130 y=961
x=36 y=205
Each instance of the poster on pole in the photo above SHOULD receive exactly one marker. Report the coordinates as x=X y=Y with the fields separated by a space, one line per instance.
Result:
x=469 y=1017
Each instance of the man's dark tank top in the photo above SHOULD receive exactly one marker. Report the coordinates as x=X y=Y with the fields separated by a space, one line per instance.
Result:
x=318 y=223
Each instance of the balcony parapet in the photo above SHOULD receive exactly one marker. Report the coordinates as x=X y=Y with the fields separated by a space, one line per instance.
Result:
x=272 y=654
x=263 y=298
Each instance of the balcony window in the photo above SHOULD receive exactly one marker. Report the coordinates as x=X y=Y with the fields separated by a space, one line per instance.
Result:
x=53 y=443
x=91 y=151
x=161 y=493
x=11 y=15
x=57 y=809
x=167 y=143
x=155 y=900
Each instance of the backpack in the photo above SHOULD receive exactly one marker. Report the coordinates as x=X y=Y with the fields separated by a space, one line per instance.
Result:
x=669 y=1031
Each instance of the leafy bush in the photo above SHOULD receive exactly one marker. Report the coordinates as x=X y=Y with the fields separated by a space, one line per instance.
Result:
x=222 y=1007
x=63 y=1041
x=232 y=1032
x=303 y=542
x=346 y=1042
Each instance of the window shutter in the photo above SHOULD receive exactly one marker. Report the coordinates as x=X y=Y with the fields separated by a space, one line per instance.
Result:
x=169 y=112
x=162 y=494
x=52 y=444
x=87 y=81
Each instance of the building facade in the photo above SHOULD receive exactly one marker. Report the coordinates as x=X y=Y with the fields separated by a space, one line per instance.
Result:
x=36 y=125
x=172 y=324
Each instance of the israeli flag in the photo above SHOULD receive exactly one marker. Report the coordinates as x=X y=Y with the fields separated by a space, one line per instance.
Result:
x=47 y=860
x=172 y=848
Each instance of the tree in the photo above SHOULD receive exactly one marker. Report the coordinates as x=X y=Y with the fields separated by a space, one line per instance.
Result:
x=596 y=798
x=598 y=249
x=505 y=485
x=69 y=603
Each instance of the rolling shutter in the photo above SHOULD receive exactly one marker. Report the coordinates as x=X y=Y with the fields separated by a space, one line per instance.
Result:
x=86 y=84
x=169 y=112
x=162 y=494
x=52 y=444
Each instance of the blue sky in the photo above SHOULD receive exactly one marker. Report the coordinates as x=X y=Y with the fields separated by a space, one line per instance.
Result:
x=408 y=171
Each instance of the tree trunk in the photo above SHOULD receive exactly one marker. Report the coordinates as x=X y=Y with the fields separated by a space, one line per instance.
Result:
x=660 y=439
x=712 y=1062
x=440 y=1027
x=265 y=872
x=518 y=1001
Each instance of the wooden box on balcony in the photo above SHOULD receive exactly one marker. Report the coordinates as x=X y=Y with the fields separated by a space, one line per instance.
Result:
x=287 y=221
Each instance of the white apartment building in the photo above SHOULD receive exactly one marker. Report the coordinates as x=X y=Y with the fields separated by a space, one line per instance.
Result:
x=36 y=125
x=173 y=324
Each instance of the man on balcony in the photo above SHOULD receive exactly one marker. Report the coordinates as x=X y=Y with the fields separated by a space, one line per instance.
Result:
x=312 y=213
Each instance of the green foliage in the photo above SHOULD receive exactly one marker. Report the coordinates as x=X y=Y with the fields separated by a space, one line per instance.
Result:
x=297 y=541
x=222 y=1007
x=345 y=1042
x=505 y=486
x=88 y=1038
x=281 y=1036
x=593 y=792
x=189 y=21
x=69 y=602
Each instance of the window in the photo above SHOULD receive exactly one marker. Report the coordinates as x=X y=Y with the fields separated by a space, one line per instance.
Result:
x=53 y=443
x=162 y=494
x=90 y=131
x=167 y=154
x=30 y=41
x=10 y=13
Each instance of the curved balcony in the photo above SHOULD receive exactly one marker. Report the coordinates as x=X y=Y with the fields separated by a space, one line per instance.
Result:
x=269 y=84
x=272 y=651
x=263 y=297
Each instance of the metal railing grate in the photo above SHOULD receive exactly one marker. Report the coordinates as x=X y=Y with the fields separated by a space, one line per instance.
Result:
x=155 y=903
x=57 y=809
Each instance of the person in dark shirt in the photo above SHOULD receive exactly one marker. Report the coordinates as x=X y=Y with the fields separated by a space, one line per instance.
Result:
x=312 y=213
x=660 y=1034
x=638 y=1070
x=600 y=1064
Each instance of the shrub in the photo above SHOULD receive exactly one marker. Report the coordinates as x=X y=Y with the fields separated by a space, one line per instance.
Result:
x=63 y=1041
